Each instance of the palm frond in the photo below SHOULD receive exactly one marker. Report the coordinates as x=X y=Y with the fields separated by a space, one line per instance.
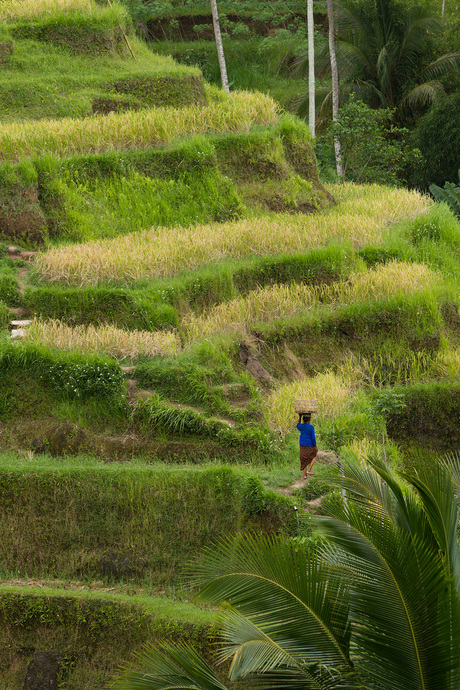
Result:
x=422 y=95
x=169 y=667
x=401 y=606
x=291 y=595
x=450 y=62
x=434 y=485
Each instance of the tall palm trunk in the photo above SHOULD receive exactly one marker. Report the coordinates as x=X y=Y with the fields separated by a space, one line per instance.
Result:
x=311 y=67
x=335 y=86
x=219 y=46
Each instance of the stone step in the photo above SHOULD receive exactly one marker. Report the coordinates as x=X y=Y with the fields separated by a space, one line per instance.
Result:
x=18 y=333
x=128 y=370
x=21 y=324
x=16 y=253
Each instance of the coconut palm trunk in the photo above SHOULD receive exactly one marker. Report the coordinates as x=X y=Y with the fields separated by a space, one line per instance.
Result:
x=219 y=46
x=311 y=67
x=335 y=86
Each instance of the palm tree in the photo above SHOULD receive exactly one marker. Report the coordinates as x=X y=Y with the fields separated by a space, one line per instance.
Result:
x=385 y=55
x=377 y=608
x=335 y=85
x=311 y=69
x=219 y=46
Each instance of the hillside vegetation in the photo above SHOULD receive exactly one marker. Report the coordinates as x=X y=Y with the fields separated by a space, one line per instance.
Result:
x=181 y=275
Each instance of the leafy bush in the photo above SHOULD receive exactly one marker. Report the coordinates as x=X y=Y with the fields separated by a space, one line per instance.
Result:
x=80 y=380
x=373 y=150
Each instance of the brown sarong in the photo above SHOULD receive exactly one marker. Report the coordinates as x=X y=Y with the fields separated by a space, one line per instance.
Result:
x=307 y=455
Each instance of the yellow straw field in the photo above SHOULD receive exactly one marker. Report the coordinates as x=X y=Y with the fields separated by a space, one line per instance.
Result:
x=109 y=340
x=237 y=112
x=266 y=304
x=362 y=216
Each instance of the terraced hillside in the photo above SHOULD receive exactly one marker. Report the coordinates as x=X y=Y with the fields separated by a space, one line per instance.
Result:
x=173 y=276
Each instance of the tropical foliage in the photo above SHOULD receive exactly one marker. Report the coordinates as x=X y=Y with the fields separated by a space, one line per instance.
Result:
x=450 y=194
x=386 y=55
x=375 y=607
x=372 y=149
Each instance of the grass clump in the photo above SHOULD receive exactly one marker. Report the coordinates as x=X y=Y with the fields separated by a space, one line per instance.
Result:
x=124 y=309
x=360 y=218
x=5 y=314
x=108 y=340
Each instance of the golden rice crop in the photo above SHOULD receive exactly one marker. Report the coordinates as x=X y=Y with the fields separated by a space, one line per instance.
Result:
x=28 y=9
x=236 y=112
x=112 y=341
x=332 y=390
x=266 y=304
x=160 y=252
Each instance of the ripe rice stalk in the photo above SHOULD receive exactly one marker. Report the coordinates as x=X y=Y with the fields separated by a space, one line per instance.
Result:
x=106 y=339
x=269 y=303
x=162 y=252
x=238 y=112
x=332 y=390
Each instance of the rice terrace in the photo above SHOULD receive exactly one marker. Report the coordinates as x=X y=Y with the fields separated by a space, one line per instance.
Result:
x=188 y=273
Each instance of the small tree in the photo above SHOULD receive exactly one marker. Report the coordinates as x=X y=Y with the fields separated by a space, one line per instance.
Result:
x=373 y=150
x=387 y=402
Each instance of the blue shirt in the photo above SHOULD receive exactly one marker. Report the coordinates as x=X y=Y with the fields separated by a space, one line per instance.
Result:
x=307 y=435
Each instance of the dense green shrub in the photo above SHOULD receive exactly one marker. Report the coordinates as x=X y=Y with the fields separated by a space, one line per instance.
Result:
x=67 y=374
x=449 y=194
x=373 y=150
